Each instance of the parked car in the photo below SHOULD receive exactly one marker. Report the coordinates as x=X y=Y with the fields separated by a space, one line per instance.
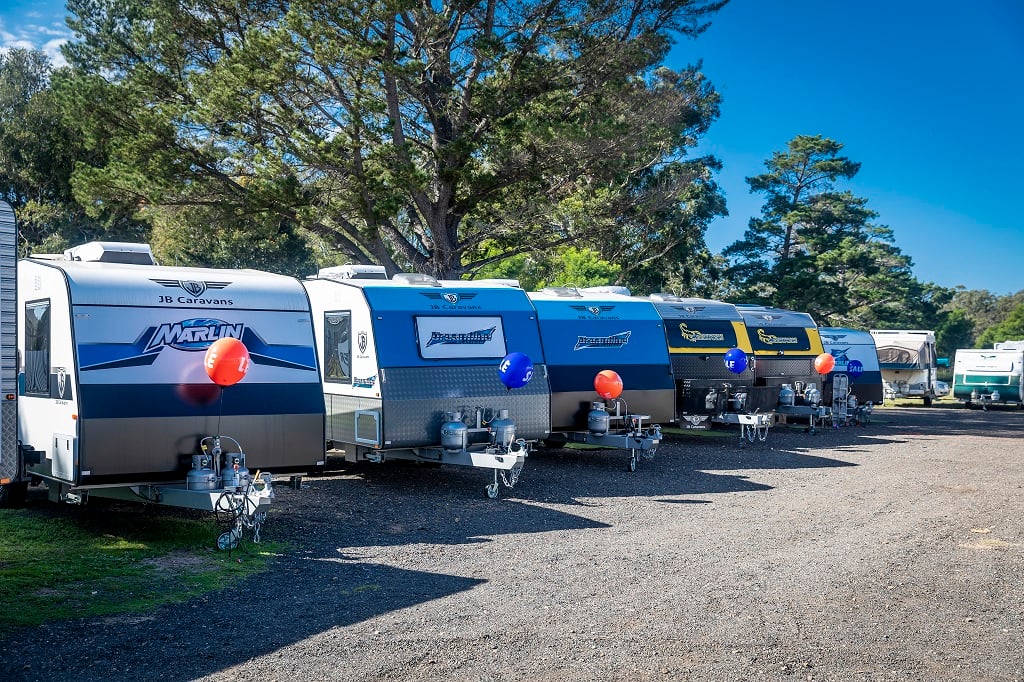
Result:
x=941 y=388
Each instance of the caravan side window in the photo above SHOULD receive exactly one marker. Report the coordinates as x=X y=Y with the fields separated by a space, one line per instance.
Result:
x=37 y=348
x=338 y=347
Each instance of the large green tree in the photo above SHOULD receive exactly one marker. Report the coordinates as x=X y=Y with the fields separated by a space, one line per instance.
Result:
x=816 y=249
x=38 y=152
x=400 y=132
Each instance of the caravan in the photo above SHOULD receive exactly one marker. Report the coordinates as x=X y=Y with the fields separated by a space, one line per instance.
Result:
x=785 y=345
x=601 y=331
x=908 y=363
x=113 y=399
x=857 y=358
x=700 y=332
x=991 y=376
x=410 y=370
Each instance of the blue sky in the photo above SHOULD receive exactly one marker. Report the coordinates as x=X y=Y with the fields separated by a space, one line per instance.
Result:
x=927 y=95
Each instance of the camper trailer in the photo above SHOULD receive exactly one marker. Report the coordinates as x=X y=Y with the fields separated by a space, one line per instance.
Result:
x=785 y=345
x=700 y=332
x=857 y=358
x=908 y=363
x=113 y=397
x=410 y=369
x=985 y=377
x=587 y=331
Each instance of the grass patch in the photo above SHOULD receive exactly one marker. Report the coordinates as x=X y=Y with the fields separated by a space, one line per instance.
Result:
x=63 y=563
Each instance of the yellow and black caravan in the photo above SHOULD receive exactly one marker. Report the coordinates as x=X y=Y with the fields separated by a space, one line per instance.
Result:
x=700 y=332
x=785 y=344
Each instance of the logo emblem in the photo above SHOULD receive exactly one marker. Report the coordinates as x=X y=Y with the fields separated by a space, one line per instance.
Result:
x=594 y=310
x=362 y=339
x=62 y=377
x=191 y=286
x=451 y=298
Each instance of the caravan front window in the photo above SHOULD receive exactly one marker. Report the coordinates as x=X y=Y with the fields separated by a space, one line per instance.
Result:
x=338 y=347
x=37 y=348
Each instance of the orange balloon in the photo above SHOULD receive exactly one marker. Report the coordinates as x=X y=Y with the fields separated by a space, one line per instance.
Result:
x=824 y=363
x=226 y=361
x=608 y=384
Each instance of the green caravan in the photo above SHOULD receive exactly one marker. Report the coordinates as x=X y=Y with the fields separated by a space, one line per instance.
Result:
x=983 y=377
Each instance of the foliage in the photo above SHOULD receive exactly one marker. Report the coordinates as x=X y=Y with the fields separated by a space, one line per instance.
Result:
x=984 y=310
x=815 y=249
x=56 y=566
x=397 y=132
x=38 y=152
x=1009 y=329
x=568 y=266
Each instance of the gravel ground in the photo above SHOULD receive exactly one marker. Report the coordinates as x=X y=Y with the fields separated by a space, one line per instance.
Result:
x=889 y=552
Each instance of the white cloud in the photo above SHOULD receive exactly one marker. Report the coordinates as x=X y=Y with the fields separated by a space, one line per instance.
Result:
x=35 y=37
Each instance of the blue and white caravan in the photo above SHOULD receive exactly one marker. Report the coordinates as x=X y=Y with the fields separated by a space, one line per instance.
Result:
x=411 y=369
x=586 y=331
x=856 y=358
x=114 y=398
x=700 y=334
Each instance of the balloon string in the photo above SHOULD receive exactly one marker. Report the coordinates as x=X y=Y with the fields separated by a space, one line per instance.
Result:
x=220 y=410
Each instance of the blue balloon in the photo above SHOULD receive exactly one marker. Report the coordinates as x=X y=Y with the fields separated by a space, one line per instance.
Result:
x=736 y=360
x=854 y=368
x=515 y=370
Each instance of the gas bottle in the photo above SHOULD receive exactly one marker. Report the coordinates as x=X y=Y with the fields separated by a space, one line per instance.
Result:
x=598 y=419
x=453 y=432
x=504 y=429
x=787 y=396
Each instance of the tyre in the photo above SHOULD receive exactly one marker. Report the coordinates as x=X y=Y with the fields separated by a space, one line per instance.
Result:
x=13 y=494
x=927 y=401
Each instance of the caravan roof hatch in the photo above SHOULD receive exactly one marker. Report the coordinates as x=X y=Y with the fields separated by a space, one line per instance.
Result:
x=112 y=252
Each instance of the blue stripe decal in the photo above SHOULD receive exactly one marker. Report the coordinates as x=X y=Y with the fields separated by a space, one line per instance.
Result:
x=98 y=356
x=134 y=401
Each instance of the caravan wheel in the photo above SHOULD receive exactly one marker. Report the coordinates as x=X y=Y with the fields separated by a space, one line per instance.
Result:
x=927 y=401
x=13 y=494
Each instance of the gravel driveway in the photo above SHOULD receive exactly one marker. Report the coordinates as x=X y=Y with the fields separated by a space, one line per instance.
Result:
x=888 y=552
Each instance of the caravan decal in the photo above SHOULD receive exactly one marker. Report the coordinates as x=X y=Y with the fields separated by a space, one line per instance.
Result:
x=694 y=335
x=195 y=289
x=614 y=341
x=841 y=355
x=368 y=382
x=595 y=311
x=772 y=340
x=192 y=335
x=478 y=337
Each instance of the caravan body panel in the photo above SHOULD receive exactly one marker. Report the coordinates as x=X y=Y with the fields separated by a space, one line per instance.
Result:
x=113 y=386
x=988 y=375
x=848 y=345
x=587 y=332
x=700 y=332
x=397 y=356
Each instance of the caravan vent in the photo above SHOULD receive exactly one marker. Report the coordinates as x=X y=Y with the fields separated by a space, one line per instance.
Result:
x=608 y=289
x=112 y=252
x=416 y=279
x=514 y=283
x=562 y=292
x=351 y=271
x=664 y=297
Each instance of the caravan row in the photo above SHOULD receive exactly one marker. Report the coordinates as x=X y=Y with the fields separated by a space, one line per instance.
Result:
x=106 y=393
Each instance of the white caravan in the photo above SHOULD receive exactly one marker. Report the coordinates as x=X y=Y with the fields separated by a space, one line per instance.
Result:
x=112 y=396
x=908 y=362
x=989 y=376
